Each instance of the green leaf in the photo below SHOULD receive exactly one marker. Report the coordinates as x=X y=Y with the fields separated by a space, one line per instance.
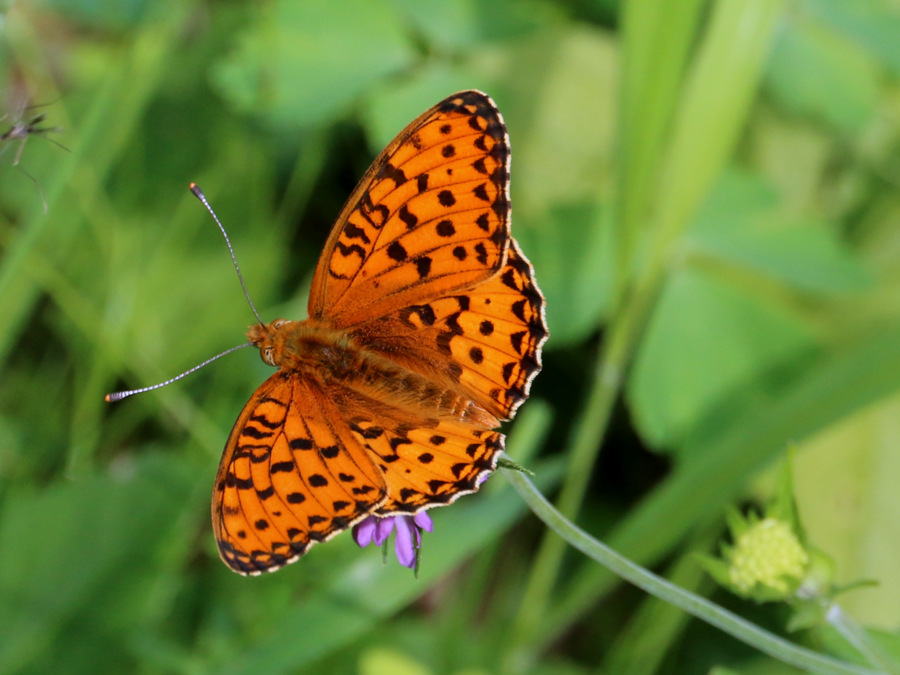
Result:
x=714 y=334
x=872 y=24
x=716 y=100
x=572 y=257
x=846 y=480
x=117 y=15
x=562 y=133
x=383 y=661
x=741 y=225
x=709 y=343
x=817 y=72
x=77 y=561
x=461 y=24
x=286 y=64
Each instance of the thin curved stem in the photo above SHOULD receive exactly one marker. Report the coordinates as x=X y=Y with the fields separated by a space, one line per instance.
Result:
x=856 y=635
x=701 y=608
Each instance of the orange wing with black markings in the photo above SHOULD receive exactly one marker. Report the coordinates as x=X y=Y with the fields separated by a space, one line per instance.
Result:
x=430 y=216
x=292 y=475
x=430 y=466
x=485 y=341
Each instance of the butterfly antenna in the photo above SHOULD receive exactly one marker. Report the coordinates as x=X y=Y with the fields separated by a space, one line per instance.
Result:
x=198 y=193
x=119 y=395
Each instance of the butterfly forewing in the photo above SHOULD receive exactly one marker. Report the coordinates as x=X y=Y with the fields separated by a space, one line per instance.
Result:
x=430 y=216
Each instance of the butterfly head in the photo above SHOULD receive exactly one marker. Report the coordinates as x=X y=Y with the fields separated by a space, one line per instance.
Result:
x=266 y=337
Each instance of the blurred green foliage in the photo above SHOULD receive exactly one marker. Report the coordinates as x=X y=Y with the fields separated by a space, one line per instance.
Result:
x=736 y=191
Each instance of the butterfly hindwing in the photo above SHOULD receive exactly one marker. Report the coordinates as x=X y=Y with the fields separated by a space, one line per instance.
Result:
x=292 y=475
x=429 y=464
x=500 y=337
x=484 y=341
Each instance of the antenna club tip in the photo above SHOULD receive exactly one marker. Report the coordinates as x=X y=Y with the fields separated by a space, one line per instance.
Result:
x=117 y=396
x=192 y=186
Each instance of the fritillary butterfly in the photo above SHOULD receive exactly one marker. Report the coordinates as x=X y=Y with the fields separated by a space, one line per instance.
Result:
x=425 y=331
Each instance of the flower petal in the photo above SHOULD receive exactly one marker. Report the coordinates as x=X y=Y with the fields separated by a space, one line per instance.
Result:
x=364 y=531
x=403 y=541
x=383 y=529
x=423 y=521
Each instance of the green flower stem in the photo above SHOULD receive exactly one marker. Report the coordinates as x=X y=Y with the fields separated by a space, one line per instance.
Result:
x=657 y=36
x=701 y=608
x=589 y=430
x=856 y=635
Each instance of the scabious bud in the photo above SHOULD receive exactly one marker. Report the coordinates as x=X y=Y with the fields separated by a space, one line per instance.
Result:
x=767 y=557
x=770 y=558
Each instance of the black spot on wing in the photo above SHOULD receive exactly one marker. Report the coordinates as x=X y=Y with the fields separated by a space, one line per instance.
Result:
x=446 y=198
x=396 y=251
x=423 y=266
x=409 y=219
x=391 y=172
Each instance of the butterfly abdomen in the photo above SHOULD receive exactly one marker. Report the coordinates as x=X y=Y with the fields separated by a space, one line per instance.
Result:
x=376 y=378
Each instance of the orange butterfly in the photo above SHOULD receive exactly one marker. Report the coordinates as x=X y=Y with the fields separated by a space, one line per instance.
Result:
x=425 y=331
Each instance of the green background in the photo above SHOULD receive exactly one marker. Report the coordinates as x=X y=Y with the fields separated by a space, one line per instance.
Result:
x=709 y=192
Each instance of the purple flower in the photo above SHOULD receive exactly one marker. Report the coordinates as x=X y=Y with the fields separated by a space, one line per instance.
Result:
x=407 y=539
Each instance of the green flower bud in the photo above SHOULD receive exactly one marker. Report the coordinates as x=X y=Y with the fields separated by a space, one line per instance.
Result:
x=767 y=554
